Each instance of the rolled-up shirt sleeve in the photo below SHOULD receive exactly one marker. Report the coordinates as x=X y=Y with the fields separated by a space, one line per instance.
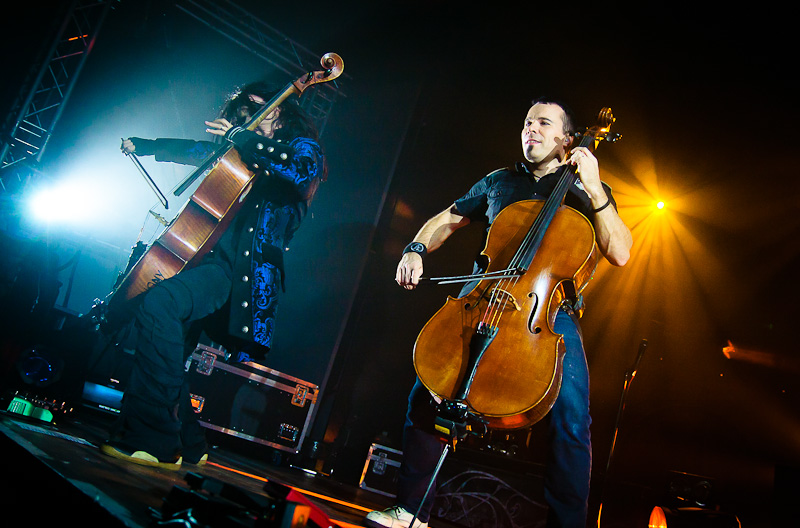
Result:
x=474 y=205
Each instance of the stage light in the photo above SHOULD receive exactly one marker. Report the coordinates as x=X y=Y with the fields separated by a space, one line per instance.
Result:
x=658 y=518
x=72 y=202
x=660 y=205
x=692 y=517
x=40 y=366
x=59 y=204
x=764 y=358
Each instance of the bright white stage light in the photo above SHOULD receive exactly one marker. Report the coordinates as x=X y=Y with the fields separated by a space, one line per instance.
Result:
x=71 y=202
x=66 y=202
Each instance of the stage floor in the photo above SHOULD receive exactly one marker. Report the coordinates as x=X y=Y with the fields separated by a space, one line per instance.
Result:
x=55 y=472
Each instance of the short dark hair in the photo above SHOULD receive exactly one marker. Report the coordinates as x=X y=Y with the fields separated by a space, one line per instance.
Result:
x=569 y=115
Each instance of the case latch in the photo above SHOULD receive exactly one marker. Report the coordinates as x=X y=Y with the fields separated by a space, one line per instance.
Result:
x=205 y=364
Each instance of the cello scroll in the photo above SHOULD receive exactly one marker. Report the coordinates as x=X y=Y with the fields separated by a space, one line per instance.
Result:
x=334 y=66
x=601 y=131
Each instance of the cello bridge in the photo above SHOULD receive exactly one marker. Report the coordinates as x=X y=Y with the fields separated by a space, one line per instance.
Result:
x=501 y=293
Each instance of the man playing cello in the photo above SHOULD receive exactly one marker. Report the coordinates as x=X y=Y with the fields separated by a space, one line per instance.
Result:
x=234 y=290
x=547 y=135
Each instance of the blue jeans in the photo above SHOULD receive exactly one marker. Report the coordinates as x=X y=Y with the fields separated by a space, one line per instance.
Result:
x=569 y=457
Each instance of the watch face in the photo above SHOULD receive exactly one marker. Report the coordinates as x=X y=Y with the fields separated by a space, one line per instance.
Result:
x=416 y=247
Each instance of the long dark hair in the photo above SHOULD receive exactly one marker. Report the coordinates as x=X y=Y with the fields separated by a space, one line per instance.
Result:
x=293 y=121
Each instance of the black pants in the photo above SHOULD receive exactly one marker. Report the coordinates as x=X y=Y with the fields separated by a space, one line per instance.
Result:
x=156 y=414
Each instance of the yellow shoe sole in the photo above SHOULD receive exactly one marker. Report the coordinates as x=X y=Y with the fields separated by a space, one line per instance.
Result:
x=141 y=458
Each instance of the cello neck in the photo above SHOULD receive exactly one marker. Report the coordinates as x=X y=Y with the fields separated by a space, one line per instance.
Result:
x=533 y=239
x=268 y=107
x=223 y=149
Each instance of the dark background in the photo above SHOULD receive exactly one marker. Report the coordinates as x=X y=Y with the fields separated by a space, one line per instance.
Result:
x=435 y=94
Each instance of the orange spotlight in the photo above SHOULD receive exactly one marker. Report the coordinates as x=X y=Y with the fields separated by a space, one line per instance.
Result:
x=660 y=205
x=664 y=517
x=657 y=518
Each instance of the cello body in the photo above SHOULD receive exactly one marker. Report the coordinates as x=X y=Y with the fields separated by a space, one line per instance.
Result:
x=519 y=374
x=194 y=231
x=493 y=352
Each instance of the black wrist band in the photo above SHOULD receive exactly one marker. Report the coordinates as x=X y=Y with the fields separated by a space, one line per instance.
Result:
x=416 y=247
x=608 y=202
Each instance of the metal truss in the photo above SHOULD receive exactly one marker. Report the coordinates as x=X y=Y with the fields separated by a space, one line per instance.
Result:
x=37 y=109
x=35 y=113
x=256 y=36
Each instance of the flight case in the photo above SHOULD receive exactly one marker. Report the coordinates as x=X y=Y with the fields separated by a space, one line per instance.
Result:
x=250 y=401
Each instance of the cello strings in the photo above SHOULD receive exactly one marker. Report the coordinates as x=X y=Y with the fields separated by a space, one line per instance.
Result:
x=567 y=179
x=526 y=251
x=531 y=241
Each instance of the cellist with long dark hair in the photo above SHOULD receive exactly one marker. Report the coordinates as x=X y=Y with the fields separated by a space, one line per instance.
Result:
x=548 y=149
x=232 y=294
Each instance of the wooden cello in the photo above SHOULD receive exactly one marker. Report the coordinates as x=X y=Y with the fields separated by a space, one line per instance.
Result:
x=208 y=212
x=494 y=351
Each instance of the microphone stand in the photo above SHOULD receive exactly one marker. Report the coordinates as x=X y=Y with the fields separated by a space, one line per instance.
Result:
x=629 y=375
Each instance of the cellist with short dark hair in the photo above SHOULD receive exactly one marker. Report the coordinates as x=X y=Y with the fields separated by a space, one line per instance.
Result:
x=551 y=154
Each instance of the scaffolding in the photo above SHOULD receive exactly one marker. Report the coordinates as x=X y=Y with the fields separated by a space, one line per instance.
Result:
x=36 y=111
x=256 y=36
x=38 y=108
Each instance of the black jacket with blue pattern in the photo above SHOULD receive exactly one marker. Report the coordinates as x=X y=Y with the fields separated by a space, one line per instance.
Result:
x=251 y=249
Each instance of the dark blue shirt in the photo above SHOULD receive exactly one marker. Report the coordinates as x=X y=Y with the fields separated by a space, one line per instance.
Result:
x=503 y=187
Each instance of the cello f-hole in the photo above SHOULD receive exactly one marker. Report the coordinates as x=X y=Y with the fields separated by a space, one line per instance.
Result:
x=532 y=318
